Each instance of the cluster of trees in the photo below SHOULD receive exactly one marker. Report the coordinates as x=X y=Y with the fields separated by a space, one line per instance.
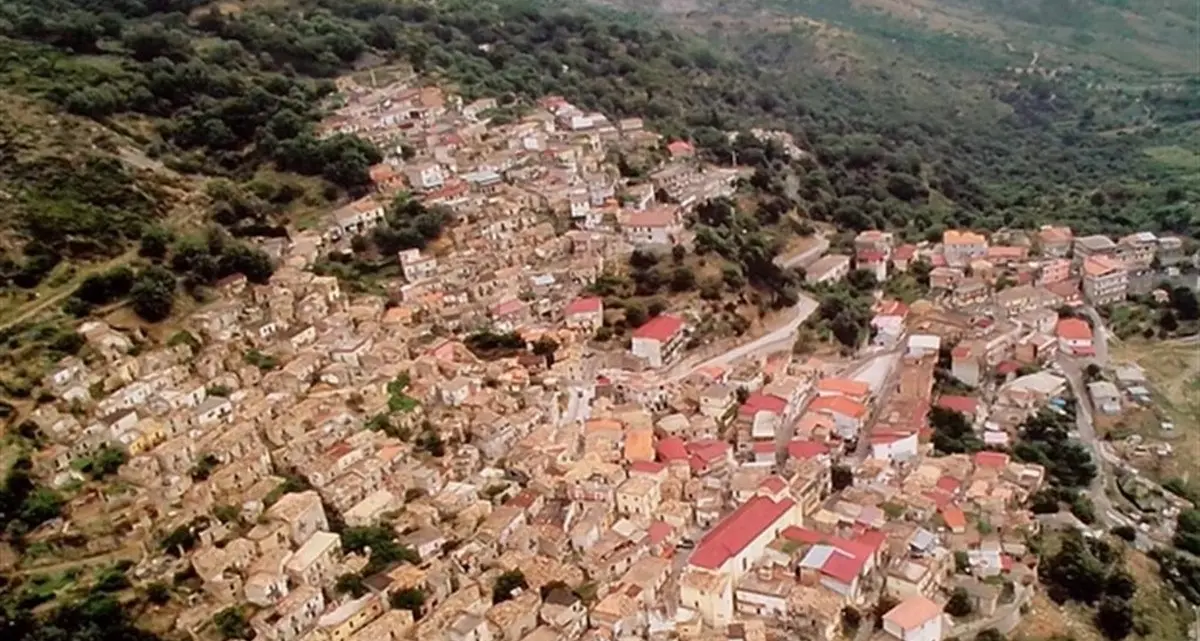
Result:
x=24 y=504
x=384 y=547
x=65 y=209
x=1045 y=440
x=742 y=239
x=1187 y=531
x=1179 y=570
x=151 y=288
x=845 y=308
x=410 y=225
x=508 y=583
x=96 y=616
x=953 y=432
x=1089 y=570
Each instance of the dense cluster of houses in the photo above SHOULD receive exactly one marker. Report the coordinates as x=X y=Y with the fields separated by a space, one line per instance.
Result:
x=632 y=503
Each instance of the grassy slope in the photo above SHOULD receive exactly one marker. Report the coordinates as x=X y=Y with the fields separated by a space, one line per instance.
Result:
x=955 y=58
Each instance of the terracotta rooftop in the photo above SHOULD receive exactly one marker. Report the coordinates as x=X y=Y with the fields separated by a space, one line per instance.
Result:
x=1074 y=329
x=586 y=305
x=659 y=328
x=737 y=530
x=913 y=613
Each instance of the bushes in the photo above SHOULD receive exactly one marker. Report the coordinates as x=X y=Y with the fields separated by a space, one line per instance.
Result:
x=153 y=295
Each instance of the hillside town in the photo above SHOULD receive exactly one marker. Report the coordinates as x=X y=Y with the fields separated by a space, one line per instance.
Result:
x=457 y=457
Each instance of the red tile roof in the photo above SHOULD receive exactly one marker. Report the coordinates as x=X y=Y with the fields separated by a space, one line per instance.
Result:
x=763 y=447
x=948 y=484
x=708 y=450
x=773 y=484
x=1075 y=329
x=658 y=217
x=803 y=450
x=681 y=148
x=990 y=459
x=964 y=404
x=1007 y=367
x=507 y=307
x=737 y=530
x=672 y=449
x=759 y=402
x=843 y=567
x=871 y=256
x=873 y=539
x=844 y=386
x=659 y=531
x=838 y=405
x=586 y=305
x=659 y=328
x=905 y=252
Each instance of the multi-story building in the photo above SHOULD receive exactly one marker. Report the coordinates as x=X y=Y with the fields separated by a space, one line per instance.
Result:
x=1054 y=271
x=658 y=226
x=828 y=269
x=874 y=240
x=962 y=247
x=731 y=548
x=1055 y=241
x=1095 y=245
x=1137 y=249
x=1105 y=281
x=1170 y=250
x=659 y=341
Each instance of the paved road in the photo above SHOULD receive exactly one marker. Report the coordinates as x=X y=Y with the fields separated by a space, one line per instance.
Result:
x=779 y=338
x=1104 y=458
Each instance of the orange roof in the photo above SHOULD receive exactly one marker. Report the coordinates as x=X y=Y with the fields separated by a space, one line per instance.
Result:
x=955 y=237
x=844 y=386
x=811 y=422
x=991 y=459
x=954 y=518
x=1074 y=329
x=657 y=217
x=1055 y=234
x=913 y=613
x=639 y=445
x=838 y=405
x=1100 y=266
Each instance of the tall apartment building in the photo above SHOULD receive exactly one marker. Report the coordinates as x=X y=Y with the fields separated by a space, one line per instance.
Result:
x=1105 y=280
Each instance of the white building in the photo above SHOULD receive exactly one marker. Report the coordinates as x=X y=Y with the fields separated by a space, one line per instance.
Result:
x=425 y=176
x=659 y=341
x=915 y=619
x=1105 y=280
x=828 y=269
x=658 y=226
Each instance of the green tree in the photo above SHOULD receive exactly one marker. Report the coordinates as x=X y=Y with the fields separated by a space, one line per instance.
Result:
x=960 y=604
x=411 y=599
x=1187 y=531
x=153 y=294
x=352 y=584
x=506 y=584
x=231 y=624
x=1114 y=617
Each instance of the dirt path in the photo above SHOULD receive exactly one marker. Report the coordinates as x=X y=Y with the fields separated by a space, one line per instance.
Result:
x=60 y=294
x=127 y=553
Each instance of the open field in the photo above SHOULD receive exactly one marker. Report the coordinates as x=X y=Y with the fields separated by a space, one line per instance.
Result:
x=1173 y=373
